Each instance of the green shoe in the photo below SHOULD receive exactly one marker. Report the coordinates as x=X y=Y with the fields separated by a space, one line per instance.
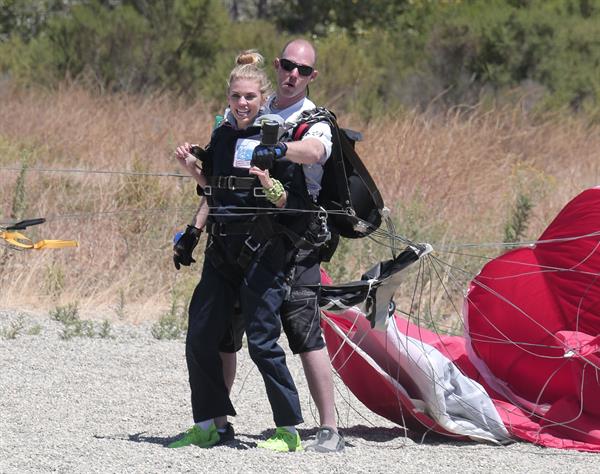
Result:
x=282 y=440
x=198 y=437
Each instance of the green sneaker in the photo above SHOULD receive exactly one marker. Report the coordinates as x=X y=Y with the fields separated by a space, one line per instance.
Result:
x=198 y=437
x=282 y=440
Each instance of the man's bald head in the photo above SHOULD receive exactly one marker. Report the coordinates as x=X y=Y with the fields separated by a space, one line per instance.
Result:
x=300 y=47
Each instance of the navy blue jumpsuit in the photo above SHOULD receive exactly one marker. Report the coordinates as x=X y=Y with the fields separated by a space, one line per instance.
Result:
x=259 y=288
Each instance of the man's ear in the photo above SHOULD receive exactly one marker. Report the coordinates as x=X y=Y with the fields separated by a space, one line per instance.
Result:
x=314 y=75
x=276 y=63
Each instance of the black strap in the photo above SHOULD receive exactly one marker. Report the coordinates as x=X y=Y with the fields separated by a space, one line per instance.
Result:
x=232 y=182
x=262 y=231
x=229 y=228
x=217 y=255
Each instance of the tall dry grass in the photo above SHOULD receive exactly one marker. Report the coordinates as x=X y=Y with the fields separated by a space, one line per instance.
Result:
x=446 y=179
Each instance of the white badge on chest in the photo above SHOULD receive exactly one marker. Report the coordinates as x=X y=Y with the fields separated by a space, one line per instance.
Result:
x=243 y=152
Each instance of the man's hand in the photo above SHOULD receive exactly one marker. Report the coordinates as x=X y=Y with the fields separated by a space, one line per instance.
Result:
x=185 y=246
x=264 y=155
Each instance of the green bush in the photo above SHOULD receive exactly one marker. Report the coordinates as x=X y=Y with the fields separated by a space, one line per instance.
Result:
x=74 y=326
x=13 y=329
x=373 y=55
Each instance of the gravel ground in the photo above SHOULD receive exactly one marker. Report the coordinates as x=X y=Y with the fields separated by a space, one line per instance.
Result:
x=112 y=405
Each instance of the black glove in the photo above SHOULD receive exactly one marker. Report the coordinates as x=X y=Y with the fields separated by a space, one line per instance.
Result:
x=264 y=155
x=185 y=246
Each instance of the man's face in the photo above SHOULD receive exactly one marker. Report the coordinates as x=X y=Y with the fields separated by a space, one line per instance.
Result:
x=294 y=71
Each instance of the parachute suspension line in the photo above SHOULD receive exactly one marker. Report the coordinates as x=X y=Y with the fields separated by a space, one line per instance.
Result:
x=354 y=346
x=389 y=223
x=581 y=299
x=82 y=171
x=565 y=424
x=397 y=391
x=417 y=293
x=507 y=339
x=420 y=293
x=436 y=270
x=525 y=243
x=435 y=383
x=406 y=340
x=432 y=267
x=346 y=398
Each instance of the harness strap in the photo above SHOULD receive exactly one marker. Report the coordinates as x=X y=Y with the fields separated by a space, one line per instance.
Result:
x=233 y=183
x=229 y=228
x=300 y=131
x=263 y=230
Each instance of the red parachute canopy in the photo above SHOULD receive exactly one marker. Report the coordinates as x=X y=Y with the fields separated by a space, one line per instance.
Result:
x=533 y=318
x=529 y=361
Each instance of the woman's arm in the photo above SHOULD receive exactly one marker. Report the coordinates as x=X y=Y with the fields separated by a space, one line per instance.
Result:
x=190 y=163
x=269 y=183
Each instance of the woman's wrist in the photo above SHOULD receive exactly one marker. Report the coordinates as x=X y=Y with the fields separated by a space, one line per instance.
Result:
x=275 y=192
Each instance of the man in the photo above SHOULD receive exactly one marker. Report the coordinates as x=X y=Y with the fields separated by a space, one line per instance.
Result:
x=300 y=315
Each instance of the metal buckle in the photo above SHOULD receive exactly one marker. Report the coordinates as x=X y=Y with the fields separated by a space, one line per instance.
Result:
x=255 y=247
x=231 y=182
x=226 y=182
x=207 y=190
x=258 y=192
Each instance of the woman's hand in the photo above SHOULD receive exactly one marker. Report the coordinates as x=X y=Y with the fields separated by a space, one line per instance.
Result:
x=263 y=176
x=190 y=163
x=185 y=158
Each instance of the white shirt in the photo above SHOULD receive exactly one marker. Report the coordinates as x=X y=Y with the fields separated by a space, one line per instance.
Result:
x=320 y=130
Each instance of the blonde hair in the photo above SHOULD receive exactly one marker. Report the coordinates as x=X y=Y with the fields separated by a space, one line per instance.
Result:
x=248 y=65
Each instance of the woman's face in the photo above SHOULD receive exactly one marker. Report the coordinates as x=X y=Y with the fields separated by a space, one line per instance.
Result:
x=244 y=100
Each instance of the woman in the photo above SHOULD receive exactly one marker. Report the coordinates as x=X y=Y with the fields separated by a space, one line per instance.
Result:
x=246 y=260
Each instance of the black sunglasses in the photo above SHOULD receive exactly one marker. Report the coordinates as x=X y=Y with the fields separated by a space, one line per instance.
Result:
x=289 y=66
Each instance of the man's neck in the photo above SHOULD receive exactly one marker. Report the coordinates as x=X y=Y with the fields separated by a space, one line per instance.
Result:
x=284 y=103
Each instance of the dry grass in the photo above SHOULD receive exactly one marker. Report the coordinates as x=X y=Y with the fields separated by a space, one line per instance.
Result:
x=446 y=179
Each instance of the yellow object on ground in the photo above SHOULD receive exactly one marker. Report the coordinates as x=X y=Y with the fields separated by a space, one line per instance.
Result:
x=20 y=241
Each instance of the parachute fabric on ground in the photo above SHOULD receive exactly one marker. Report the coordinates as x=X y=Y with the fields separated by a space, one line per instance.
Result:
x=530 y=360
x=408 y=381
x=373 y=293
x=540 y=308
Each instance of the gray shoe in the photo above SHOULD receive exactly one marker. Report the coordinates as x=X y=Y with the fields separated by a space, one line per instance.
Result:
x=327 y=440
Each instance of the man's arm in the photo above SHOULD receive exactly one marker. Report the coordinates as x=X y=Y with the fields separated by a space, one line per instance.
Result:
x=314 y=146
x=306 y=152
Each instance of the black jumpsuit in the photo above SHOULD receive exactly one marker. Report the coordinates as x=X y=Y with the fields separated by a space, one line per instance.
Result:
x=259 y=288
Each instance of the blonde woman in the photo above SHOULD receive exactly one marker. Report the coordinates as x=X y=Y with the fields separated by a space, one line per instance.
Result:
x=246 y=260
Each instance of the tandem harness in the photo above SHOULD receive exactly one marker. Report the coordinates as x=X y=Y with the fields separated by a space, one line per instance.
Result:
x=260 y=229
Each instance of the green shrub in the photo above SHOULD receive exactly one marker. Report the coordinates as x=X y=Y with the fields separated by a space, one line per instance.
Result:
x=173 y=323
x=515 y=227
x=74 y=326
x=14 y=328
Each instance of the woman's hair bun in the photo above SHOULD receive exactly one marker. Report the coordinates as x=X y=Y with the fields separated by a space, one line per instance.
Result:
x=250 y=56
